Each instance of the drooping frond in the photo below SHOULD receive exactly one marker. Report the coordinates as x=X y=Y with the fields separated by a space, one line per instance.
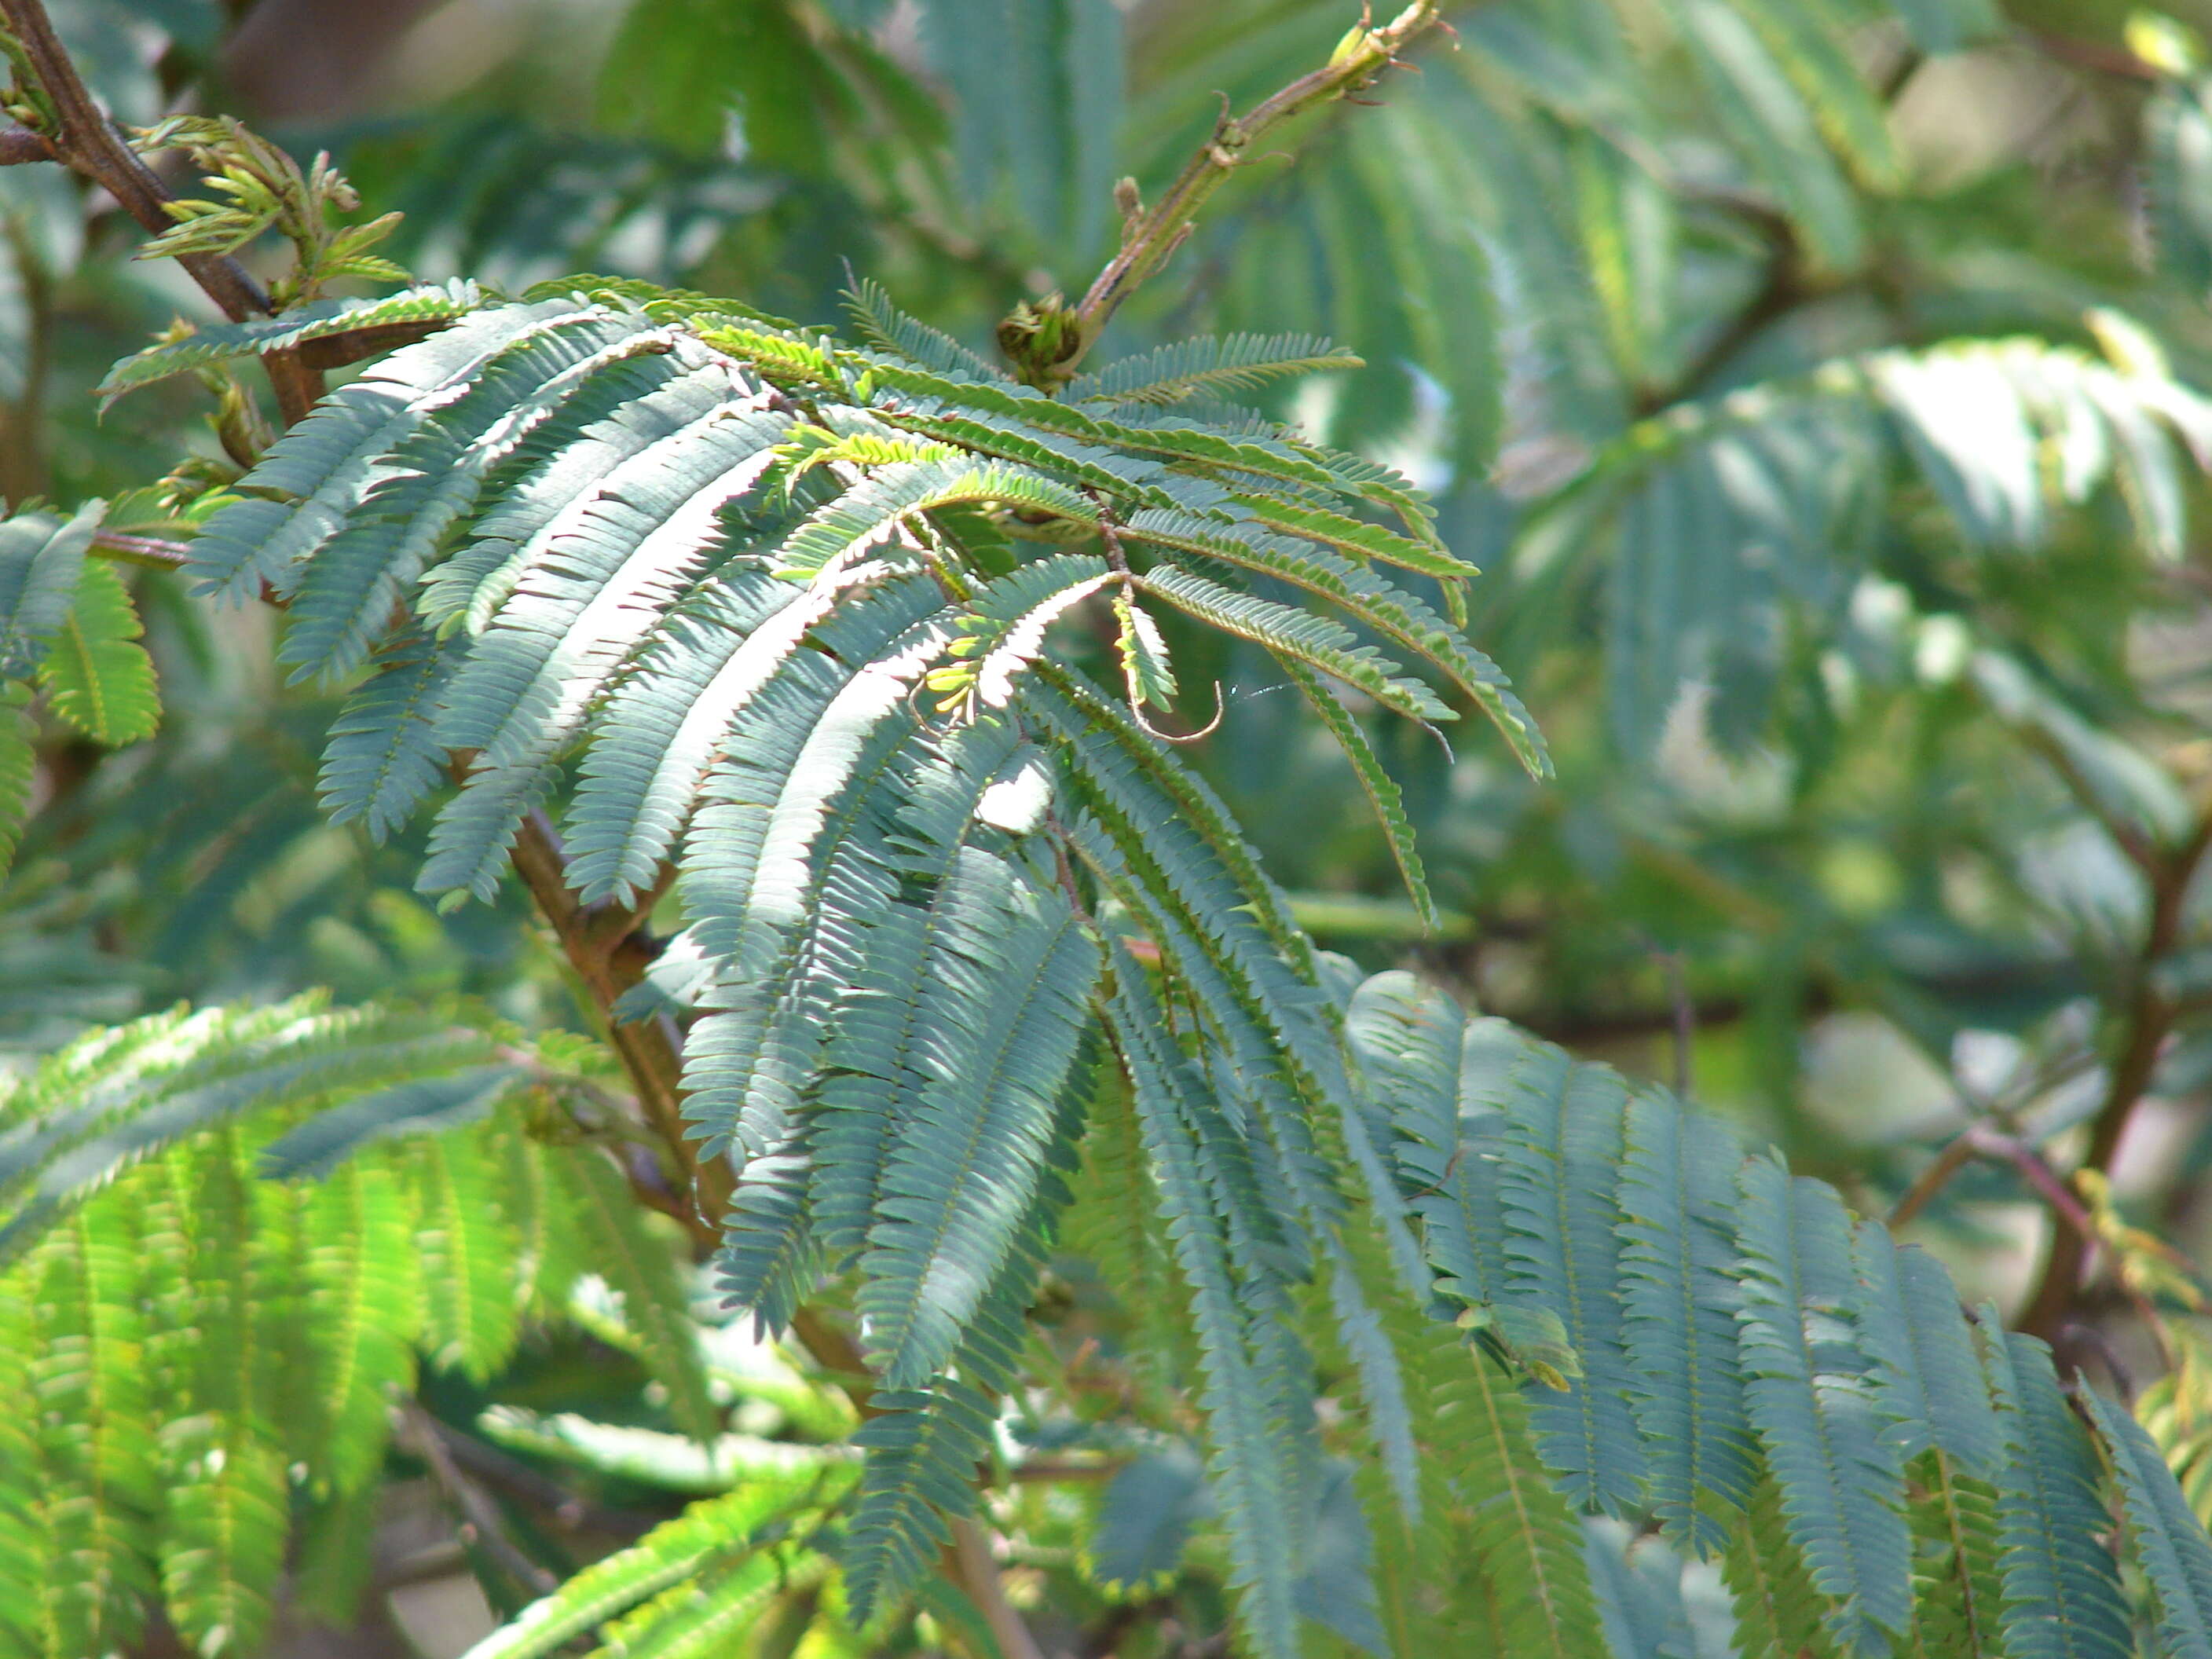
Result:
x=90 y=1112
x=2168 y=1540
x=1678 y=1292
x=1722 y=525
x=2062 y=1589
x=217 y=1351
x=1807 y=1391
x=1877 y=1472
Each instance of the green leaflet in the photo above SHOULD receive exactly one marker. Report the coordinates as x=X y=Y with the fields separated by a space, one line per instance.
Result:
x=1958 y=1593
x=1252 y=1482
x=41 y=559
x=2062 y=1591
x=923 y=1449
x=1679 y=1297
x=1562 y=1249
x=225 y=1518
x=1839 y=1482
x=1521 y=1531
x=1924 y=1349
x=364 y=1308
x=468 y=1248
x=19 y=763
x=1298 y=635
x=1187 y=368
x=885 y=324
x=1147 y=674
x=967 y=1155
x=639 y=1268
x=2168 y=1539
x=1777 y=1608
x=674 y=713
x=383 y=757
x=1382 y=790
x=721 y=1531
x=99 y=1471
x=96 y=676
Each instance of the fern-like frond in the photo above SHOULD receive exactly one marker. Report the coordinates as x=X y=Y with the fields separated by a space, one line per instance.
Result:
x=1679 y=1296
x=1807 y=1391
x=885 y=324
x=1778 y=1609
x=1253 y=1483
x=468 y=1248
x=1958 y=1595
x=1522 y=1531
x=41 y=559
x=96 y=676
x=218 y=341
x=2168 y=1539
x=720 y=1532
x=1189 y=368
x=1562 y=1140
x=968 y=1154
x=2062 y=1589
x=94 y=1109
x=364 y=1307
x=639 y=1268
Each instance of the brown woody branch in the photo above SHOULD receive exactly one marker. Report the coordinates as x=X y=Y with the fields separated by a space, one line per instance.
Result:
x=2145 y=1024
x=482 y=1524
x=87 y=142
x=337 y=350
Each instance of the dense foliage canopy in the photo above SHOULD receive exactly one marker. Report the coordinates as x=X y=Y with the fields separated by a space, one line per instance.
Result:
x=710 y=959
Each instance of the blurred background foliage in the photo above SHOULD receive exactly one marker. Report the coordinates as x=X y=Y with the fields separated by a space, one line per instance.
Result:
x=1820 y=386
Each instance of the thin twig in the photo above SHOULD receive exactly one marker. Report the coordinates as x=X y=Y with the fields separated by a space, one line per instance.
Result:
x=1154 y=234
x=568 y=1510
x=975 y=1566
x=1937 y=1175
x=480 y=1522
x=2145 y=1026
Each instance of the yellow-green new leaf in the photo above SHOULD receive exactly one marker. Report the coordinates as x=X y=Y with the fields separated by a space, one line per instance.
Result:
x=97 y=677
